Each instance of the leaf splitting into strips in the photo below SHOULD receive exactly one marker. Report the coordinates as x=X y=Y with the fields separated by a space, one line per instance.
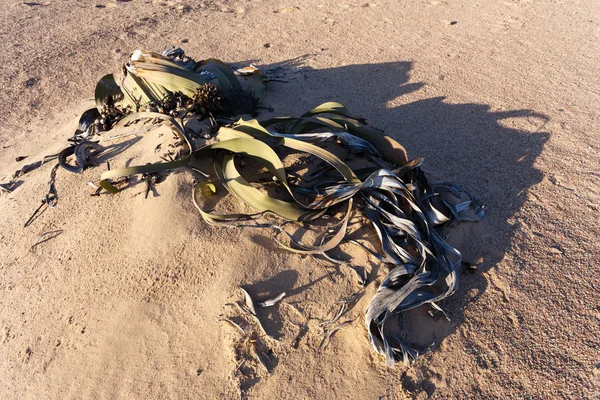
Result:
x=401 y=216
x=404 y=208
x=254 y=129
x=171 y=79
x=389 y=148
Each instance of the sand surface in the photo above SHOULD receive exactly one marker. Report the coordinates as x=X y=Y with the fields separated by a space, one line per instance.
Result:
x=501 y=96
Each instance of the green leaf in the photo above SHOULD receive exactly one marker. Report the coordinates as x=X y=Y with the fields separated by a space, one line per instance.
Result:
x=332 y=108
x=251 y=127
x=323 y=154
x=254 y=128
x=390 y=149
x=225 y=76
x=136 y=91
x=217 y=219
x=107 y=87
x=251 y=196
x=257 y=86
x=174 y=79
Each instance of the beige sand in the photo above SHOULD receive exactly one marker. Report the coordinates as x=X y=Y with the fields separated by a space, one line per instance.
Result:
x=501 y=96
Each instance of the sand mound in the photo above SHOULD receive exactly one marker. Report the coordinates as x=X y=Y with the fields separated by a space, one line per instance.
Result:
x=125 y=301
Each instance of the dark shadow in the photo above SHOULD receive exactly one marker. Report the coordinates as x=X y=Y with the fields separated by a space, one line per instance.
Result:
x=285 y=281
x=268 y=289
x=112 y=150
x=466 y=143
x=45 y=237
x=15 y=185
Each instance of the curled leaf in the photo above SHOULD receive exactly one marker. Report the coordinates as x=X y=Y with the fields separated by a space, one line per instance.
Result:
x=273 y=301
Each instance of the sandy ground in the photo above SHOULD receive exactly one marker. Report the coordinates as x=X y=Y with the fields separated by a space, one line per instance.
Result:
x=501 y=96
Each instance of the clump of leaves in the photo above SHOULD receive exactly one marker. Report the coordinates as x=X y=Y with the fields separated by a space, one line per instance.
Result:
x=172 y=81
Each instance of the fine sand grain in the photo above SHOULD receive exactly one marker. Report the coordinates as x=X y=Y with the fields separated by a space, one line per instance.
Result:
x=500 y=96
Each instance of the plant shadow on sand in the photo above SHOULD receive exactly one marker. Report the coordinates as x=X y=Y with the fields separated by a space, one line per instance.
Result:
x=466 y=143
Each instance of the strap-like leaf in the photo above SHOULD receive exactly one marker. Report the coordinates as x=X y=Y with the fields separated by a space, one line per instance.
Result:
x=254 y=198
x=149 y=168
x=257 y=86
x=224 y=74
x=107 y=87
x=332 y=107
